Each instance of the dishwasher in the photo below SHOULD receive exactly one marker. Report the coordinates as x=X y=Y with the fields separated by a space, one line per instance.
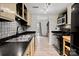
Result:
x=59 y=43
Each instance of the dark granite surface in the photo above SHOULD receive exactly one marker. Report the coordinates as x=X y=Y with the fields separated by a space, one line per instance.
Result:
x=16 y=35
x=61 y=33
x=14 y=48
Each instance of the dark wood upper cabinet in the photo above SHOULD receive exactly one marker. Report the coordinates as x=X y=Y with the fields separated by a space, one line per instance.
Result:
x=19 y=9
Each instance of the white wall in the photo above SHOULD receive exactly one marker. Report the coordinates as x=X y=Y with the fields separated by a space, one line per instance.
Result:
x=39 y=18
x=34 y=23
x=52 y=26
x=69 y=13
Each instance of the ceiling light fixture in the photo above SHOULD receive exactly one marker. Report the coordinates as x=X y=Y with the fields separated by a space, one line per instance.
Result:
x=35 y=7
x=46 y=6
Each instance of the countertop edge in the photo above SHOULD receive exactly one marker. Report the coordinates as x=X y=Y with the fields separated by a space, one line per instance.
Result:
x=16 y=35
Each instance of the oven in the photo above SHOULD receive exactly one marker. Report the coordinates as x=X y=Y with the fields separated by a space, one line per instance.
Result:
x=59 y=43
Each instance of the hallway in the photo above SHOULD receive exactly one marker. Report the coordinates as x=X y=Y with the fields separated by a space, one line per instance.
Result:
x=43 y=48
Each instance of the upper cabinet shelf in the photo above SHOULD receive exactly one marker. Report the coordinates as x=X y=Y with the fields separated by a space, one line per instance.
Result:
x=21 y=11
x=25 y=12
x=7 y=11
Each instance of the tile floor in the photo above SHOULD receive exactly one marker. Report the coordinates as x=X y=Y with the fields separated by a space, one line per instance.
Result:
x=43 y=48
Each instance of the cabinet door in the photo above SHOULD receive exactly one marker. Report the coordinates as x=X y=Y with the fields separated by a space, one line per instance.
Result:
x=66 y=45
x=26 y=53
x=9 y=10
x=32 y=46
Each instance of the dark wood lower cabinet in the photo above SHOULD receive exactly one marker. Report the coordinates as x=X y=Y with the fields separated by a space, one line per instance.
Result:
x=66 y=45
x=67 y=52
x=31 y=48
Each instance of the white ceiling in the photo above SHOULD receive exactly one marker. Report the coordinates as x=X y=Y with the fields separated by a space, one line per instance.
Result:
x=53 y=8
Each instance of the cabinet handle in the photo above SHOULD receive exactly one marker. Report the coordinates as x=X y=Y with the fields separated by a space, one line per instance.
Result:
x=27 y=54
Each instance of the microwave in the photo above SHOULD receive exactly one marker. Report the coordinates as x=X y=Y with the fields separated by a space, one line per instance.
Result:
x=62 y=20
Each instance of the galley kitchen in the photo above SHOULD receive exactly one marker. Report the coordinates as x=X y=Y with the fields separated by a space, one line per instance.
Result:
x=39 y=29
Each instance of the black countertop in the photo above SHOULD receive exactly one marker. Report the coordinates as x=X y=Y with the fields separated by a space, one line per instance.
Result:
x=14 y=48
x=2 y=40
x=61 y=33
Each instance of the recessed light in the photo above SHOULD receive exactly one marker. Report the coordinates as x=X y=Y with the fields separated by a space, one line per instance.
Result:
x=49 y=3
x=35 y=7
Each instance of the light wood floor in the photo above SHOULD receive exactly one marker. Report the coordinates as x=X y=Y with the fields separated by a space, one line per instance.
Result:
x=43 y=48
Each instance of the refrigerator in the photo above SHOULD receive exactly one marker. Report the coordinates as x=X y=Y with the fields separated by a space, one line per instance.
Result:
x=75 y=29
